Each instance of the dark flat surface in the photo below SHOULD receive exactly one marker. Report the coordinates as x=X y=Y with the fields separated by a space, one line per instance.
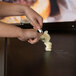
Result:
x=24 y=59
x=54 y=26
x=2 y=41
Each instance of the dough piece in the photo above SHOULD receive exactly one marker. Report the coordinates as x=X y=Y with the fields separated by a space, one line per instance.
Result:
x=46 y=39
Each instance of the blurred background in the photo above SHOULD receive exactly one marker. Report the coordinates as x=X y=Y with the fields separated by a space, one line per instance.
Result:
x=60 y=10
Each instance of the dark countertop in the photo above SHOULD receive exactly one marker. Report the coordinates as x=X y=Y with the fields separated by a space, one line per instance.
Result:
x=2 y=41
x=24 y=59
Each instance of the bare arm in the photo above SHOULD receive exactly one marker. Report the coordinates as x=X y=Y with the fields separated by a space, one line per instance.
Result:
x=30 y=35
x=9 y=30
x=9 y=9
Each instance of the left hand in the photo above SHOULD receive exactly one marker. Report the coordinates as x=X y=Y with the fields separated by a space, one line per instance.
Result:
x=30 y=35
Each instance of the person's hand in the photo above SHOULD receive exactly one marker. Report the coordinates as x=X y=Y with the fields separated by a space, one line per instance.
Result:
x=35 y=19
x=30 y=35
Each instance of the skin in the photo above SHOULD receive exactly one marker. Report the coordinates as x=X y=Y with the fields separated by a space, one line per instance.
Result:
x=6 y=30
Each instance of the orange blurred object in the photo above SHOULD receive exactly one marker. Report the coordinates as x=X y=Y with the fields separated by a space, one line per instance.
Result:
x=42 y=7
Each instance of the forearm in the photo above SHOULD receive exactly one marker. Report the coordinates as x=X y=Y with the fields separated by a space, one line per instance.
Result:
x=9 y=9
x=9 y=30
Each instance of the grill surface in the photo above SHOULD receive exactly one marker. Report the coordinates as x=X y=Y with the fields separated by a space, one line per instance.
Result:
x=24 y=59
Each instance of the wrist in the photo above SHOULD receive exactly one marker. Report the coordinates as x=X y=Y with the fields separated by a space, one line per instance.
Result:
x=20 y=33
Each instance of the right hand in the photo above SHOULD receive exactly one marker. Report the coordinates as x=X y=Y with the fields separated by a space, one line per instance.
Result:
x=35 y=19
x=30 y=35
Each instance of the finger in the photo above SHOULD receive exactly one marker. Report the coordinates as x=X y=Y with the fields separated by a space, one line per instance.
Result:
x=22 y=39
x=40 y=21
x=35 y=24
x=35 y=28
x=33 y=41
x=30 y=42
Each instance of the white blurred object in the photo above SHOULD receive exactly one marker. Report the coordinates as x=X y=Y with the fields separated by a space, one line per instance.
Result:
x=68 y=4
x=49 y=19
x=67 y=10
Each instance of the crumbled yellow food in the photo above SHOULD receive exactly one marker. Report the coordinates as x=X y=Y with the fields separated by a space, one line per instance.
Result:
x=46 y=39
